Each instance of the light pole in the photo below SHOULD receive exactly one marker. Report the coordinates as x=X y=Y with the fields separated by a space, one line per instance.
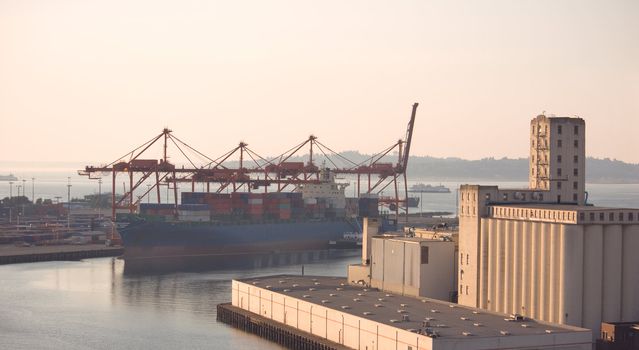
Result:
x=23 y=187
x=68 y=202
x=19 y=186
x=100 y=197
x=33 y=189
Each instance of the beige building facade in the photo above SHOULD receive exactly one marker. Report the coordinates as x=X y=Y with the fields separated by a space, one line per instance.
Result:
x=543 y=252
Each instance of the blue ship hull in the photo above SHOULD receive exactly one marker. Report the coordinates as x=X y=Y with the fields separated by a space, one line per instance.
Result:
x=156 y=239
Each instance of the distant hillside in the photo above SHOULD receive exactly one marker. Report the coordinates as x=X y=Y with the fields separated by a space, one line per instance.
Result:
x=597 y=170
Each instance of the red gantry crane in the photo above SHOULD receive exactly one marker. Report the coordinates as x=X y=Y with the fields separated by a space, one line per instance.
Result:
x=252 y=173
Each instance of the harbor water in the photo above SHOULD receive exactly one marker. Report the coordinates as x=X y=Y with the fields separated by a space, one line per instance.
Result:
x=99 y=304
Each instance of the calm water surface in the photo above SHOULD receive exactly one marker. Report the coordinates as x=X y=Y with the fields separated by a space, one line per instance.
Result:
x=94 y=304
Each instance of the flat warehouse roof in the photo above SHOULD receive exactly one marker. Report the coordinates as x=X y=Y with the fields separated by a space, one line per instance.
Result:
x=447 y=319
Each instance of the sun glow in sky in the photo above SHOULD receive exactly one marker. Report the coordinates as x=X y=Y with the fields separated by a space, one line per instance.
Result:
x=88 y=80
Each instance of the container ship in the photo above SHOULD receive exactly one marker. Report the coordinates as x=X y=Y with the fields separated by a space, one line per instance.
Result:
x=316 y=216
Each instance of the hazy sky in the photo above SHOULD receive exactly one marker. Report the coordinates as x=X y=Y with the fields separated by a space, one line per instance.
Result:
x=88 y=80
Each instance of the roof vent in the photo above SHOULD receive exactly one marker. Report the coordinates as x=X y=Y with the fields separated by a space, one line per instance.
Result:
x=394 y=321
x=405 y=318
x=281 y=281
x=332 y=295
x=379 y=305
x=452 y=305
x=403 y=305
x=381 y=299
x=345 y=307
x=401 y=311
x=365 y=290
x=295 y=285
x=526 y=325
x=549 y=331
x=517 y=317
x=342 y=284
x=256 y=282
x=286 y=290
x=357 y=299
x=339 y=288
x=429 y=319
x=468 y=334
x=434 y=311
x=464 y=318
x=389 y=295
x=441 y=325
x=324 y=301
x=477 y=324
x=311 y=289
x=316 y=283
x=268 y=287
x=476 y=312
x=367 y=313
x=504 y=332
x=360 y=294
x=306 y=296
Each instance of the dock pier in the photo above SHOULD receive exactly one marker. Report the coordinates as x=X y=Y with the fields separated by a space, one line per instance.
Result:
x=15 y=255
x=276 y=332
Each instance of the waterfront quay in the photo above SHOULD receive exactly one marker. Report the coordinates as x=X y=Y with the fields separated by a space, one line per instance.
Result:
x=11 y=254
x=359 y=317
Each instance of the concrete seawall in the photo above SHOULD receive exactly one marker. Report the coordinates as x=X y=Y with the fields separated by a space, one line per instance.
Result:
x=276 y=332
x=14 y=255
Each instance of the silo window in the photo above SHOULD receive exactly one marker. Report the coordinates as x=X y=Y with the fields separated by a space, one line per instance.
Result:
x=424 y=256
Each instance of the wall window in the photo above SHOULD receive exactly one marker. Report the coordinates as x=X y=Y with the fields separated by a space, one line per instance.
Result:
x=461 y=288
x=424 y=256
x=620 y=216
x=592 y=216
x=575 y=171
x=466 y=290
x=576 y=142
x=630 y=217
x=461 y=258
x=558 y=143
x=559 y=158
x=575 y=159
x=575 y=185
x=601 y=217
x=574 y=197
x=576 y=129
x=558 y=171
x=559 y=129
x=559 y=185
x=582 y=216
x=611 y=216
x=467 y=259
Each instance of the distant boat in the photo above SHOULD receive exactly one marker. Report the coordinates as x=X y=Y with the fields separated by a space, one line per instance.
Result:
x=429 y=188
x=9 y=177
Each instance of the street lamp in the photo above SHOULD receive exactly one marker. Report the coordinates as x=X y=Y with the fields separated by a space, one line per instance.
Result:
x=68 y=202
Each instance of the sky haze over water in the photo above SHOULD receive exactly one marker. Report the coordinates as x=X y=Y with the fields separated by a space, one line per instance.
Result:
x=90 y=80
